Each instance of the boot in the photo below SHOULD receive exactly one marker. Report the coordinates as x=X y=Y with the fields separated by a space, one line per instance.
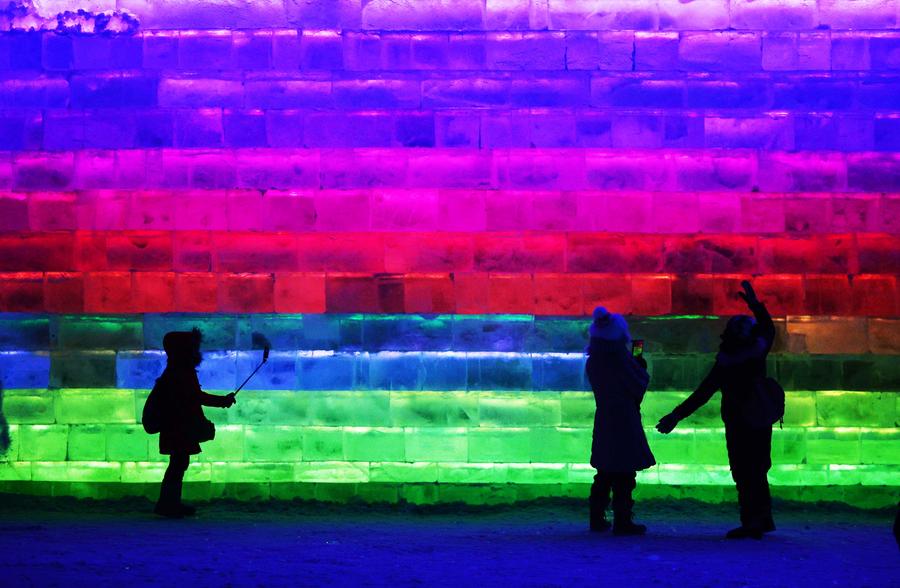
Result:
x=599 y=524
x=168 y=510
x=624 y=526
x=743 y=532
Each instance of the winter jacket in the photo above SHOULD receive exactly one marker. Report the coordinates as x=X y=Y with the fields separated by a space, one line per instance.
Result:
x=619 y=383
x=736 y=372
x=181 y=404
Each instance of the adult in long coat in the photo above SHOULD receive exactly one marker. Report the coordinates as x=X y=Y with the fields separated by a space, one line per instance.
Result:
x=739 y=369
x=619 y=448
x=183 y=424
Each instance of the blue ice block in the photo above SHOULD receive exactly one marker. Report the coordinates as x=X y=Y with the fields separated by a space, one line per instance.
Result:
x=321 y=331
x=558 y=371
x=444 y=371
x=558 y=335
x=279 y=373
x=24 y=369
x=219 y=332
x=392 y=370
x=499 y=371
x=485 y=333
x=24 y=332
x=408 y=333
x=325 y=370
x=139 y=369
x=218 y=371
x=284 y=332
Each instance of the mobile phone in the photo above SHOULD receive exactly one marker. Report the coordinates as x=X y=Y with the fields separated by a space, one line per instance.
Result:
x=637 y=348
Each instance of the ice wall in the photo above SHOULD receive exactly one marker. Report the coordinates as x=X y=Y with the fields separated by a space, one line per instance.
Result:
x=420 y=203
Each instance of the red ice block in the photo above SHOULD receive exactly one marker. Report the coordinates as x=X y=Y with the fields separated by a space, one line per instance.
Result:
x=192 y=251
x=431 y=252
x=108 y=292
x=246 y=292
x=693 y=295
x=296 y=292
x=63 y=292
x=41 y=252
x=139 y=251
x=605 y=253
x=875 y=295
x=351 y=293
x=651 y=295
x=153 y=291
x=612 y=291
x=249 y=252
x=558 y=294
x=432 y=293
x=471 y=292
x=340 y=252
x=828 y=295
x=52 y=212
x=22 y=292
x=782 y=294
x=510 y=293
x=196 y=292
x=514 y=252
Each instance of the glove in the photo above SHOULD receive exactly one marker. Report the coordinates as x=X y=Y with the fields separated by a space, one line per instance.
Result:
x=667 y=423
x=230 y=400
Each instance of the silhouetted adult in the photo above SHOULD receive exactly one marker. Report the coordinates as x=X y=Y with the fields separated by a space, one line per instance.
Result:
x=619 y=448
x=183 y=425
x=739 y=369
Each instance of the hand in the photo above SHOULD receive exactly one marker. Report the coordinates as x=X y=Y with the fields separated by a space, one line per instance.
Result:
x=230 y=400
x=667 y=423
x=748 y=294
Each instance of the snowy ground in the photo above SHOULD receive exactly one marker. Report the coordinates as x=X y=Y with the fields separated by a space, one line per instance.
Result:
x=64 y=542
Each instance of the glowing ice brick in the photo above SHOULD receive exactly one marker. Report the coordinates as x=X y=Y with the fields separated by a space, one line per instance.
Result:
x=143 y=472
x=24 y=332
x=373 y=444
x=443 y=371
x=577 y=409
x=323 y=443
x=394 y=371
x=518 y=410
x=20 y=369
x=832 y=446
x=139 y=369
x=500 y=445
x=560 y=445
x=788 y=446
x=434 y=408
x=556 y=371
x=499 y=371
x=800 y=408
x=43 y=442
x=369 y=408
x=95 y=333
x=880 y=446
x=848 y=409
x=331 y=472
x=328 y=371
x=436 y=444
x=536 y=473
x=251 y=472
x=126 y=442
x=227 y=446
x=472 y=473
x=95 y=406
x=709 y=447
x=218 y=371
x=677 y=447
x=279 y=373
x=419 y=472
x=28 y=406
x=281 y=443
x=17 y=471
x=88 y=443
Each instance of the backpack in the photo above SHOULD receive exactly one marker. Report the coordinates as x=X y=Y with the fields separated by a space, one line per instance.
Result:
x=151 y=416
x=765 y=404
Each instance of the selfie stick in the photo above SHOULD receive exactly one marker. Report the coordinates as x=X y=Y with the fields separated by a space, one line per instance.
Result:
x=265 y=359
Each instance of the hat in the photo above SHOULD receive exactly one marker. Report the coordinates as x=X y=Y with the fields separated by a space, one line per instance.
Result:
x=181 y=343
x=609 y=326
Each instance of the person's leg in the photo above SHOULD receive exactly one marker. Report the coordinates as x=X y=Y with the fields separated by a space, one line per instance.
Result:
x=623 y=485
x=760 y=454
x=169 y=503
x=599 y=501
x=741 y=464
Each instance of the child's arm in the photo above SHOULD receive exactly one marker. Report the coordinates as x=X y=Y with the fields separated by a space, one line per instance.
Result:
x=207 y=399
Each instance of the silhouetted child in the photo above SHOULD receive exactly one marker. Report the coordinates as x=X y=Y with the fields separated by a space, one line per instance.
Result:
x=182 y=423
x=619 y=448
x=739 y=369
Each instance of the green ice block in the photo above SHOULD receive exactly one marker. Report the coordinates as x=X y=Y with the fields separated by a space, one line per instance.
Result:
x=676 y=447
x=29 y=407
x=273 y=443
x=880 y=446
x=403 y=472
x=369 y=408
x=705 y=475
x=82 y=471
x=82 y=406
x=436 y=444
x=15 y=471
x=657 y=404
x=323 y=444
x=709 y=447
x=855 y=409
x=560 y=444
x=43 y=442
x=88 y=443
x=576 y=409
x=227 y=446
x=581 y=473
x=843 y=475
x=89 y=369
x=522 y=409
x=99 y=333
x=536 y=473
x=226 y=472
x=438 y=409
x=331 y=472
x=788 y=445
x=374 y=444
x=472 y=473
x=12 y=451
x=828 y=446
x=500 y=445
x=800 y=409
x=127 y=443
x=143 y=472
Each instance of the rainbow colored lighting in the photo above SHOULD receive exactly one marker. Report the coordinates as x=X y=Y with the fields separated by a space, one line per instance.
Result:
x=419 y=204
